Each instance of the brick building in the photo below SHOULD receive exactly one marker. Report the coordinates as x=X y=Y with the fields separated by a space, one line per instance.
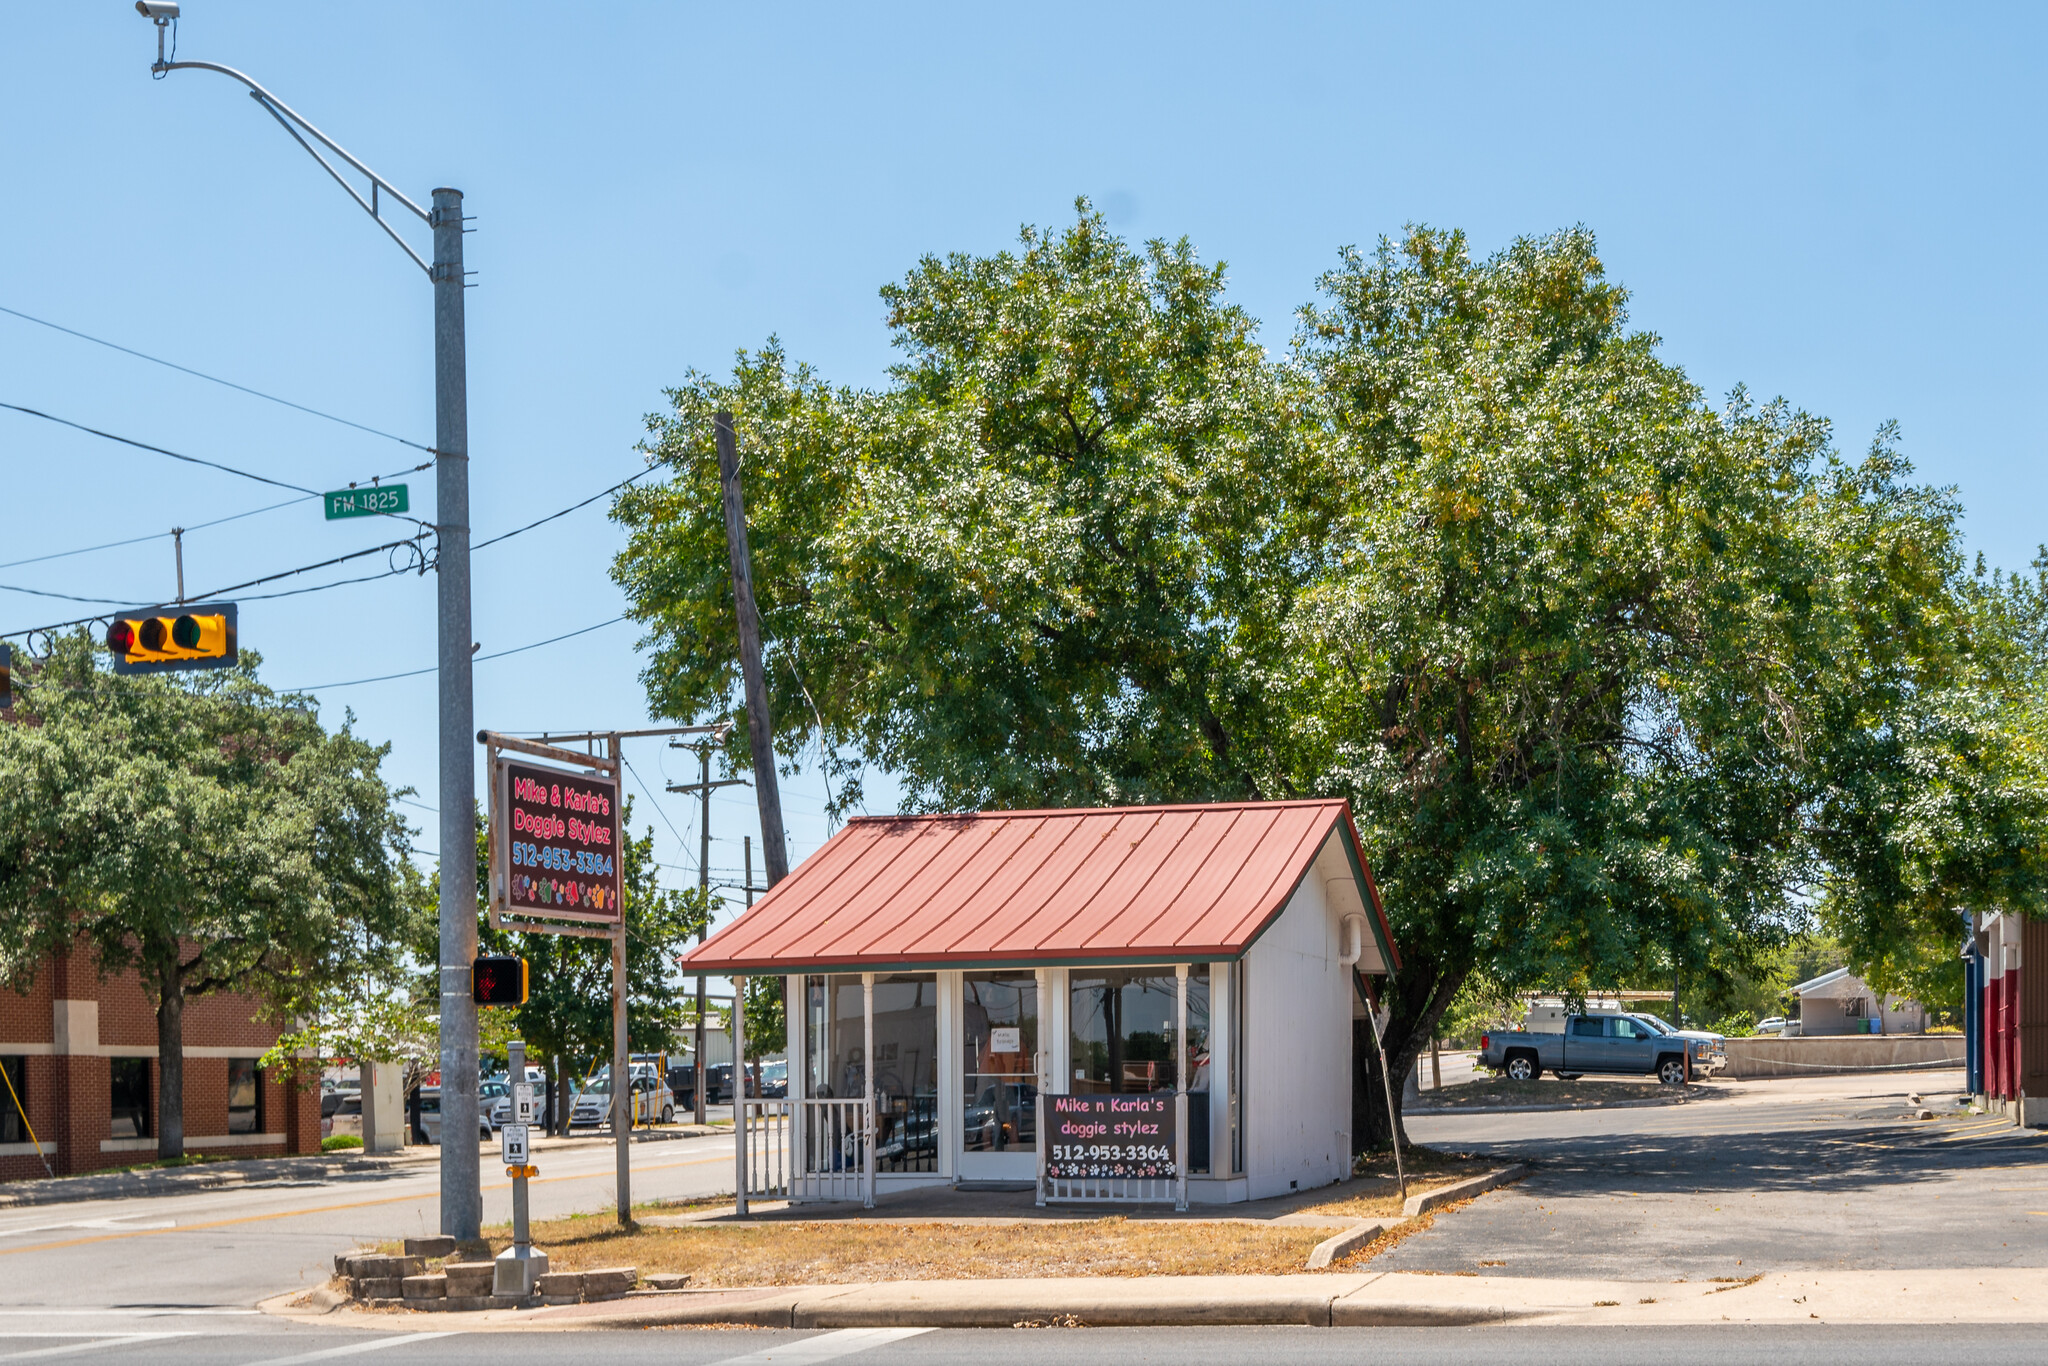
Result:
x=81 y=1053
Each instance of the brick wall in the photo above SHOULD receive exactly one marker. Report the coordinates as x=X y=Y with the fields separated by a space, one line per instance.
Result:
x=69 y=1095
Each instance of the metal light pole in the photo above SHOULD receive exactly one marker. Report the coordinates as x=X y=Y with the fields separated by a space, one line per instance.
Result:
x=461 y=1195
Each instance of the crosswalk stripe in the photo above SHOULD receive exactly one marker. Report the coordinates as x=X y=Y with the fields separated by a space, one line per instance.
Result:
x=352 y=1349
x=824 y=1347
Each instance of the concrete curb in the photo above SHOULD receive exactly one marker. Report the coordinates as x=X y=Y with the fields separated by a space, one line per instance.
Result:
x=1427 y=1111
x=178 y=1180
x=1349 y=1241
x=1462 y=1190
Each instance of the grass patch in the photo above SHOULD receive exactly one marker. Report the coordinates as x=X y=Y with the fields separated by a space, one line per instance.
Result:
x=831 y=1253
x=1375 y=1193
x=335 y=1143
x=166 y=1163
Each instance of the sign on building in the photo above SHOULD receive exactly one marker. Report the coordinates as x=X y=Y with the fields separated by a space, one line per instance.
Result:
x=556 y=843
x=1110 y=1136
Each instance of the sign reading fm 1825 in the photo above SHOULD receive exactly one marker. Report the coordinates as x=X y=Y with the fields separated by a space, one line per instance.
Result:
x=369 y=502
x=557 y=842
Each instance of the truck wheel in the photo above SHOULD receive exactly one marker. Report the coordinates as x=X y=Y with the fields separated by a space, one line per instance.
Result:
x=1671 y=1071
x=1522 y=1067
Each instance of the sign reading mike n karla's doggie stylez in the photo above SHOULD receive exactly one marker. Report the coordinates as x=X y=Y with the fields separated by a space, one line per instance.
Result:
x=557 y=842
x=1110 y=1135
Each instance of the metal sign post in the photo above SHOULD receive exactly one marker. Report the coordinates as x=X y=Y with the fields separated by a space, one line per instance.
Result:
x=520 y=1266
x=557 y=866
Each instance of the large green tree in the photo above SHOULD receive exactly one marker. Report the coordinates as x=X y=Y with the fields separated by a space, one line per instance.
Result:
x=196 y=828
x=1619 y=684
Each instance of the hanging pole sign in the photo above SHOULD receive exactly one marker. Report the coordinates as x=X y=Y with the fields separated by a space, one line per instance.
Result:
x=556 y=843
x=368 y=502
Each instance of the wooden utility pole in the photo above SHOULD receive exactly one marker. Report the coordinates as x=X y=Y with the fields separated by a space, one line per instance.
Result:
x=774 y=847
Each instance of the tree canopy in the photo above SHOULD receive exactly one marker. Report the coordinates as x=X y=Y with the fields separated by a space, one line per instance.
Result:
x=1620 y=684
x=196 y=828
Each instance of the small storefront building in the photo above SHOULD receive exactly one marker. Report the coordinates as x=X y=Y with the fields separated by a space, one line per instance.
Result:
x=960 y=986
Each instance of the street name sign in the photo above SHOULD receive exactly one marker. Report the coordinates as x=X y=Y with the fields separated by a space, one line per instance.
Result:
x=374 y=501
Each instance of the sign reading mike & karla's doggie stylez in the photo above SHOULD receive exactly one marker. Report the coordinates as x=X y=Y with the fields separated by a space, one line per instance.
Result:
x=557 y=842
x=1110 y=1135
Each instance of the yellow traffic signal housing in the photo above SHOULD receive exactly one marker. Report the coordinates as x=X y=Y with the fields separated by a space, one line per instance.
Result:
x=197 y=636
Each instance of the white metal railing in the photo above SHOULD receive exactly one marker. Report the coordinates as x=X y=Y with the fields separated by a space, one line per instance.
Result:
x=831 y=1147
x=1117 y=1190
x=766 y=1136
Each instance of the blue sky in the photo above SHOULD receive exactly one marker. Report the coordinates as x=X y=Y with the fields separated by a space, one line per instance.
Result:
x=1837 y=204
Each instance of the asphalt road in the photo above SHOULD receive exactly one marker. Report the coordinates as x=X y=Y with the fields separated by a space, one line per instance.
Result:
x=188 y=1341
x=230 y=1248
x=1821 y=1173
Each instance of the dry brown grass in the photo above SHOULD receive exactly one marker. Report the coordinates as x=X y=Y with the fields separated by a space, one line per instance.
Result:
x=1375 y=1195
x=803 y=1253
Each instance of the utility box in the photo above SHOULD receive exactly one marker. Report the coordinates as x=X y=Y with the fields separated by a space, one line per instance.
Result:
x=383 y=1107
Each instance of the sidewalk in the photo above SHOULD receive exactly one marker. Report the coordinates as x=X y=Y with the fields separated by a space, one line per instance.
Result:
x=117 y=1185
x=1389 y=1299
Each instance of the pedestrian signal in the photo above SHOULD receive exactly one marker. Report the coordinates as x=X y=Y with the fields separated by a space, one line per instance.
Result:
x=498 y=981
x=198 y=636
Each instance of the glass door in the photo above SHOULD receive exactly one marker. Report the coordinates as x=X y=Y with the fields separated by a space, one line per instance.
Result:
x=999 y=1076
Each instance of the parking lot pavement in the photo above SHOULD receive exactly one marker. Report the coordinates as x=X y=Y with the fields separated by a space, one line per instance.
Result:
x=1808 y=1173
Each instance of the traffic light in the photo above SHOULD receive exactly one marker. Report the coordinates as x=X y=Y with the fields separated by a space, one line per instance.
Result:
x=498 y=981
x=197 y=636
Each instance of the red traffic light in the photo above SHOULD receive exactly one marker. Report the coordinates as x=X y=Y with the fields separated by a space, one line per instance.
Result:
x=121 y=637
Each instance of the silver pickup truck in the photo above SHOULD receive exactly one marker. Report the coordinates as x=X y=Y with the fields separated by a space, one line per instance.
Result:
x=1607 y=1042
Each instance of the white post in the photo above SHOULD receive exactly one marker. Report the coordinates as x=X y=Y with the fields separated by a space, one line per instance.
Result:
x=1180 y=1085
x=739 y=1094
x=867 y=1081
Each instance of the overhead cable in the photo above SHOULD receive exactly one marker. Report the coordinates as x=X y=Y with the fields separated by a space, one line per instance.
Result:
x=499 y=654
x=214 y=379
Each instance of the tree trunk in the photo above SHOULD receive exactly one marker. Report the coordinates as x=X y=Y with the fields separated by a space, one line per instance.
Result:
x=170 y=1058
x=1419 y=997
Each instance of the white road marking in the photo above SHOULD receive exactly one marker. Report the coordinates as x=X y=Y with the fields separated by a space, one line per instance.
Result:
x=144 y=1311
x=93 y=1342
x=121 y=1221
x=374 y=1345
x=824 y=1347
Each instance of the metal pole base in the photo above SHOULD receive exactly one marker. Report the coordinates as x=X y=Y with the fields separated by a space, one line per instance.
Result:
x=518 y=1272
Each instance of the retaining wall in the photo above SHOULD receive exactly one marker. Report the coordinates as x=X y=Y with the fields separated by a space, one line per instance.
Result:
x=1812 y=1055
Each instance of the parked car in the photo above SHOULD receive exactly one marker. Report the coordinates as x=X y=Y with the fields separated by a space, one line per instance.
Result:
x=775 y=1080
x=995 y=1122
x=333 y=1098
x=593 y=1105
x=1606 y=1042
x=1774 y=1024
x=430 y=1116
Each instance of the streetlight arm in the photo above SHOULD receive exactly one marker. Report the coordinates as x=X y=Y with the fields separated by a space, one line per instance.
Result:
x=300 y=129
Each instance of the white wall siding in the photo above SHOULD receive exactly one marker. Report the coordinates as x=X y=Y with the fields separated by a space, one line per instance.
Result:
x=1297 y=1083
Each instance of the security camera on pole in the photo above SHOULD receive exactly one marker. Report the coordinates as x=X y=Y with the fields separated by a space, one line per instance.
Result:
x=461 y=1193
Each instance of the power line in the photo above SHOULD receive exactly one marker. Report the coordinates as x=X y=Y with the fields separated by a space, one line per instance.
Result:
x=214 y=379
x=145 y=446
x=500 y=654
x=153 y=536
x=567 y=510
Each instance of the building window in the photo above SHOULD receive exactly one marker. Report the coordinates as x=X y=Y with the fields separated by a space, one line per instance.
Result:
x=129 y=1079
x=905 y=1065
x=245 y=1097
x=1123 y=1027
x=14 y=1103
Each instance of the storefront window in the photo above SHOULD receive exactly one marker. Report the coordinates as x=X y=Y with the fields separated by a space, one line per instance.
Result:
x=13 y=1124
x=999 y=1067
x=129 y=1079
x=245 y=1107
x=1123 y=1040
x=1123 y=1030
x=905 y=1066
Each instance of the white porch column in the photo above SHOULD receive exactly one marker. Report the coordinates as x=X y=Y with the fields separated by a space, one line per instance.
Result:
x=867 y=1078
x=952 y=992
x=1222 y=1039
x=1180 y=1081
x=739 y=1094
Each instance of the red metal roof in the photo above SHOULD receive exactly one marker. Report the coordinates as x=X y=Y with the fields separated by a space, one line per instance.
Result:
x=1111 y=884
